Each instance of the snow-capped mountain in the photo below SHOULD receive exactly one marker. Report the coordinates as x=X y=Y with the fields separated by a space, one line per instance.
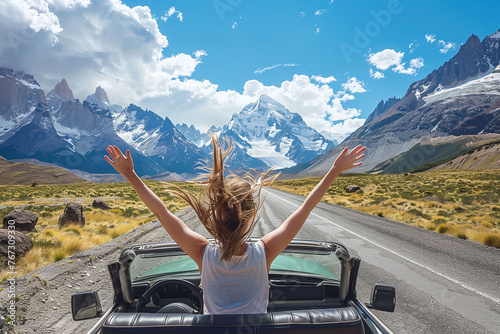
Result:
x=267 y=131
x=100 y=98
x=20 y=94
x=61 y=93
x=459 y=98
x=194 y=135
x=158 y=139
x=38 y=139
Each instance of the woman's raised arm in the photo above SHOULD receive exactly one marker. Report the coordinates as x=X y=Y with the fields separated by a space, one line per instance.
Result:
x=276 y=241
x=191 y=242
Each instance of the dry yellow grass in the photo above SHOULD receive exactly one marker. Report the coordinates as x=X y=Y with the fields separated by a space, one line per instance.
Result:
x=52 y=244
x=459 y=203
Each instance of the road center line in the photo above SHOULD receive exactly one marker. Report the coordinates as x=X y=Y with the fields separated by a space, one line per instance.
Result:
x=397 y=254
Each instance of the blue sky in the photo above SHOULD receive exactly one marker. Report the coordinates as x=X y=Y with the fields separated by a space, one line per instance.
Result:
x=207 y=59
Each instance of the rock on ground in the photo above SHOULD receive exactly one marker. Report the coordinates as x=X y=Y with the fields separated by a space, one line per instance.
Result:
x=24 y=220
x=44 y=296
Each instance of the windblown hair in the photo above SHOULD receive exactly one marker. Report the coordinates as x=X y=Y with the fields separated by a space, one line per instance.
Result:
x=229 y=206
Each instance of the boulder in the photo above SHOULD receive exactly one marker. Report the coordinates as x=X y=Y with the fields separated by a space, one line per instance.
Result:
x=24 y=220
x=353 y=188
x=100 y=204
x=407 y=174
x=21 y=242
x=73 y=214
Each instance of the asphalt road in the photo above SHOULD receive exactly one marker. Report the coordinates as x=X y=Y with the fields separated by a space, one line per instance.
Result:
x=443 y=284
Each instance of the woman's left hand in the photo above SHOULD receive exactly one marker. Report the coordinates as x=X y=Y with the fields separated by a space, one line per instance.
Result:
x=123 y=165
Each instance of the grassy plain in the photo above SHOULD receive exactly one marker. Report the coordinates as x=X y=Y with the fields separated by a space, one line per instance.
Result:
x=52 y=244
x=465 y=204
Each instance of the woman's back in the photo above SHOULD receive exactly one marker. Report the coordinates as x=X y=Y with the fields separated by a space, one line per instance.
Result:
x=236 y=286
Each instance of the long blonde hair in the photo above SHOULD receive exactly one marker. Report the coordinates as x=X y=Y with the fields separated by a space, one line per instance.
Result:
x=229 y=206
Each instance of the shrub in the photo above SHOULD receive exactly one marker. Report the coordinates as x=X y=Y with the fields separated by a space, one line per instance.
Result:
x=59 y=254
x=487 y=224
x=492 y=239
x=443 y=228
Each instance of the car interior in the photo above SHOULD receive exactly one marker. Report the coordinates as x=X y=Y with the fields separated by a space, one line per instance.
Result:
x=297 y=302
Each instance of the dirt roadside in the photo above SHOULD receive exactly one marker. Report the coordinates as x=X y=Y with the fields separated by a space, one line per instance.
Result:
x=43 y=297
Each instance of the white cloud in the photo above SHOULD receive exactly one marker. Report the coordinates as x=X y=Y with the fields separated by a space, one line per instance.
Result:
x=316 y=31
x=415 y=64
x=302 y=14
x=121 y=48
x=318 y=104
x=319 y=12
x=413 y=46
x=389 y=58
x=354 y=85
x=171 y=12
x=234 y=25
x=382 y=60
x=446 y=46
x=342 y=130
x=263 y=69
x=376 y=74
x=323 y=80
x=431 y=38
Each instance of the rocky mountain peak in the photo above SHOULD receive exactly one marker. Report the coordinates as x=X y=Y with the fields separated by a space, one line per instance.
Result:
x=20 y=94
x=63 y=91
x=100 y=97
x=101 y=94
x=381 y=108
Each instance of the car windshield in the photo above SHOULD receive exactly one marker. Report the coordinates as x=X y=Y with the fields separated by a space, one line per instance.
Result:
x=153 y=262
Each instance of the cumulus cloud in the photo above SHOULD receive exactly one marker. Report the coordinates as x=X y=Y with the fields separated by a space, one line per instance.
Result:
x=172 y=12
x=323 y=80
x=390 y=58
x=382 y=60
x=319 y=12
x=415 y=64
x=339 y=131
x=431 y=38
x=121 y=49
x=353 y=85
x=376 y=74
x=317 y=30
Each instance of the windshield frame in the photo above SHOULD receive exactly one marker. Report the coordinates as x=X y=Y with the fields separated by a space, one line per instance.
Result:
x=297 y=246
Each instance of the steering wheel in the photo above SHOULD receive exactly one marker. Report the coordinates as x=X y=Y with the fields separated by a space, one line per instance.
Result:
x=146 y=297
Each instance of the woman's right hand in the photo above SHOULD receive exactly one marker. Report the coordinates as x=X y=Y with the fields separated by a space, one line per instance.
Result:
x=346 y=161
x=123 y=165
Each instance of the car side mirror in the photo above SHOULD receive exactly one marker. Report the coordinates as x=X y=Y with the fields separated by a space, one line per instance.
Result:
x=85 y=305
x=383 y=298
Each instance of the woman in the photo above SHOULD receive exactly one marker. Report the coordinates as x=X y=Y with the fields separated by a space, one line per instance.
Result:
x=234 y=272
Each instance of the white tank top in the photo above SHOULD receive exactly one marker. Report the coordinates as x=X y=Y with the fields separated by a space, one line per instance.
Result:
x=237 y=286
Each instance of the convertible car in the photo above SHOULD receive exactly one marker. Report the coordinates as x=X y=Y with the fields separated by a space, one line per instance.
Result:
x=312 y=290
